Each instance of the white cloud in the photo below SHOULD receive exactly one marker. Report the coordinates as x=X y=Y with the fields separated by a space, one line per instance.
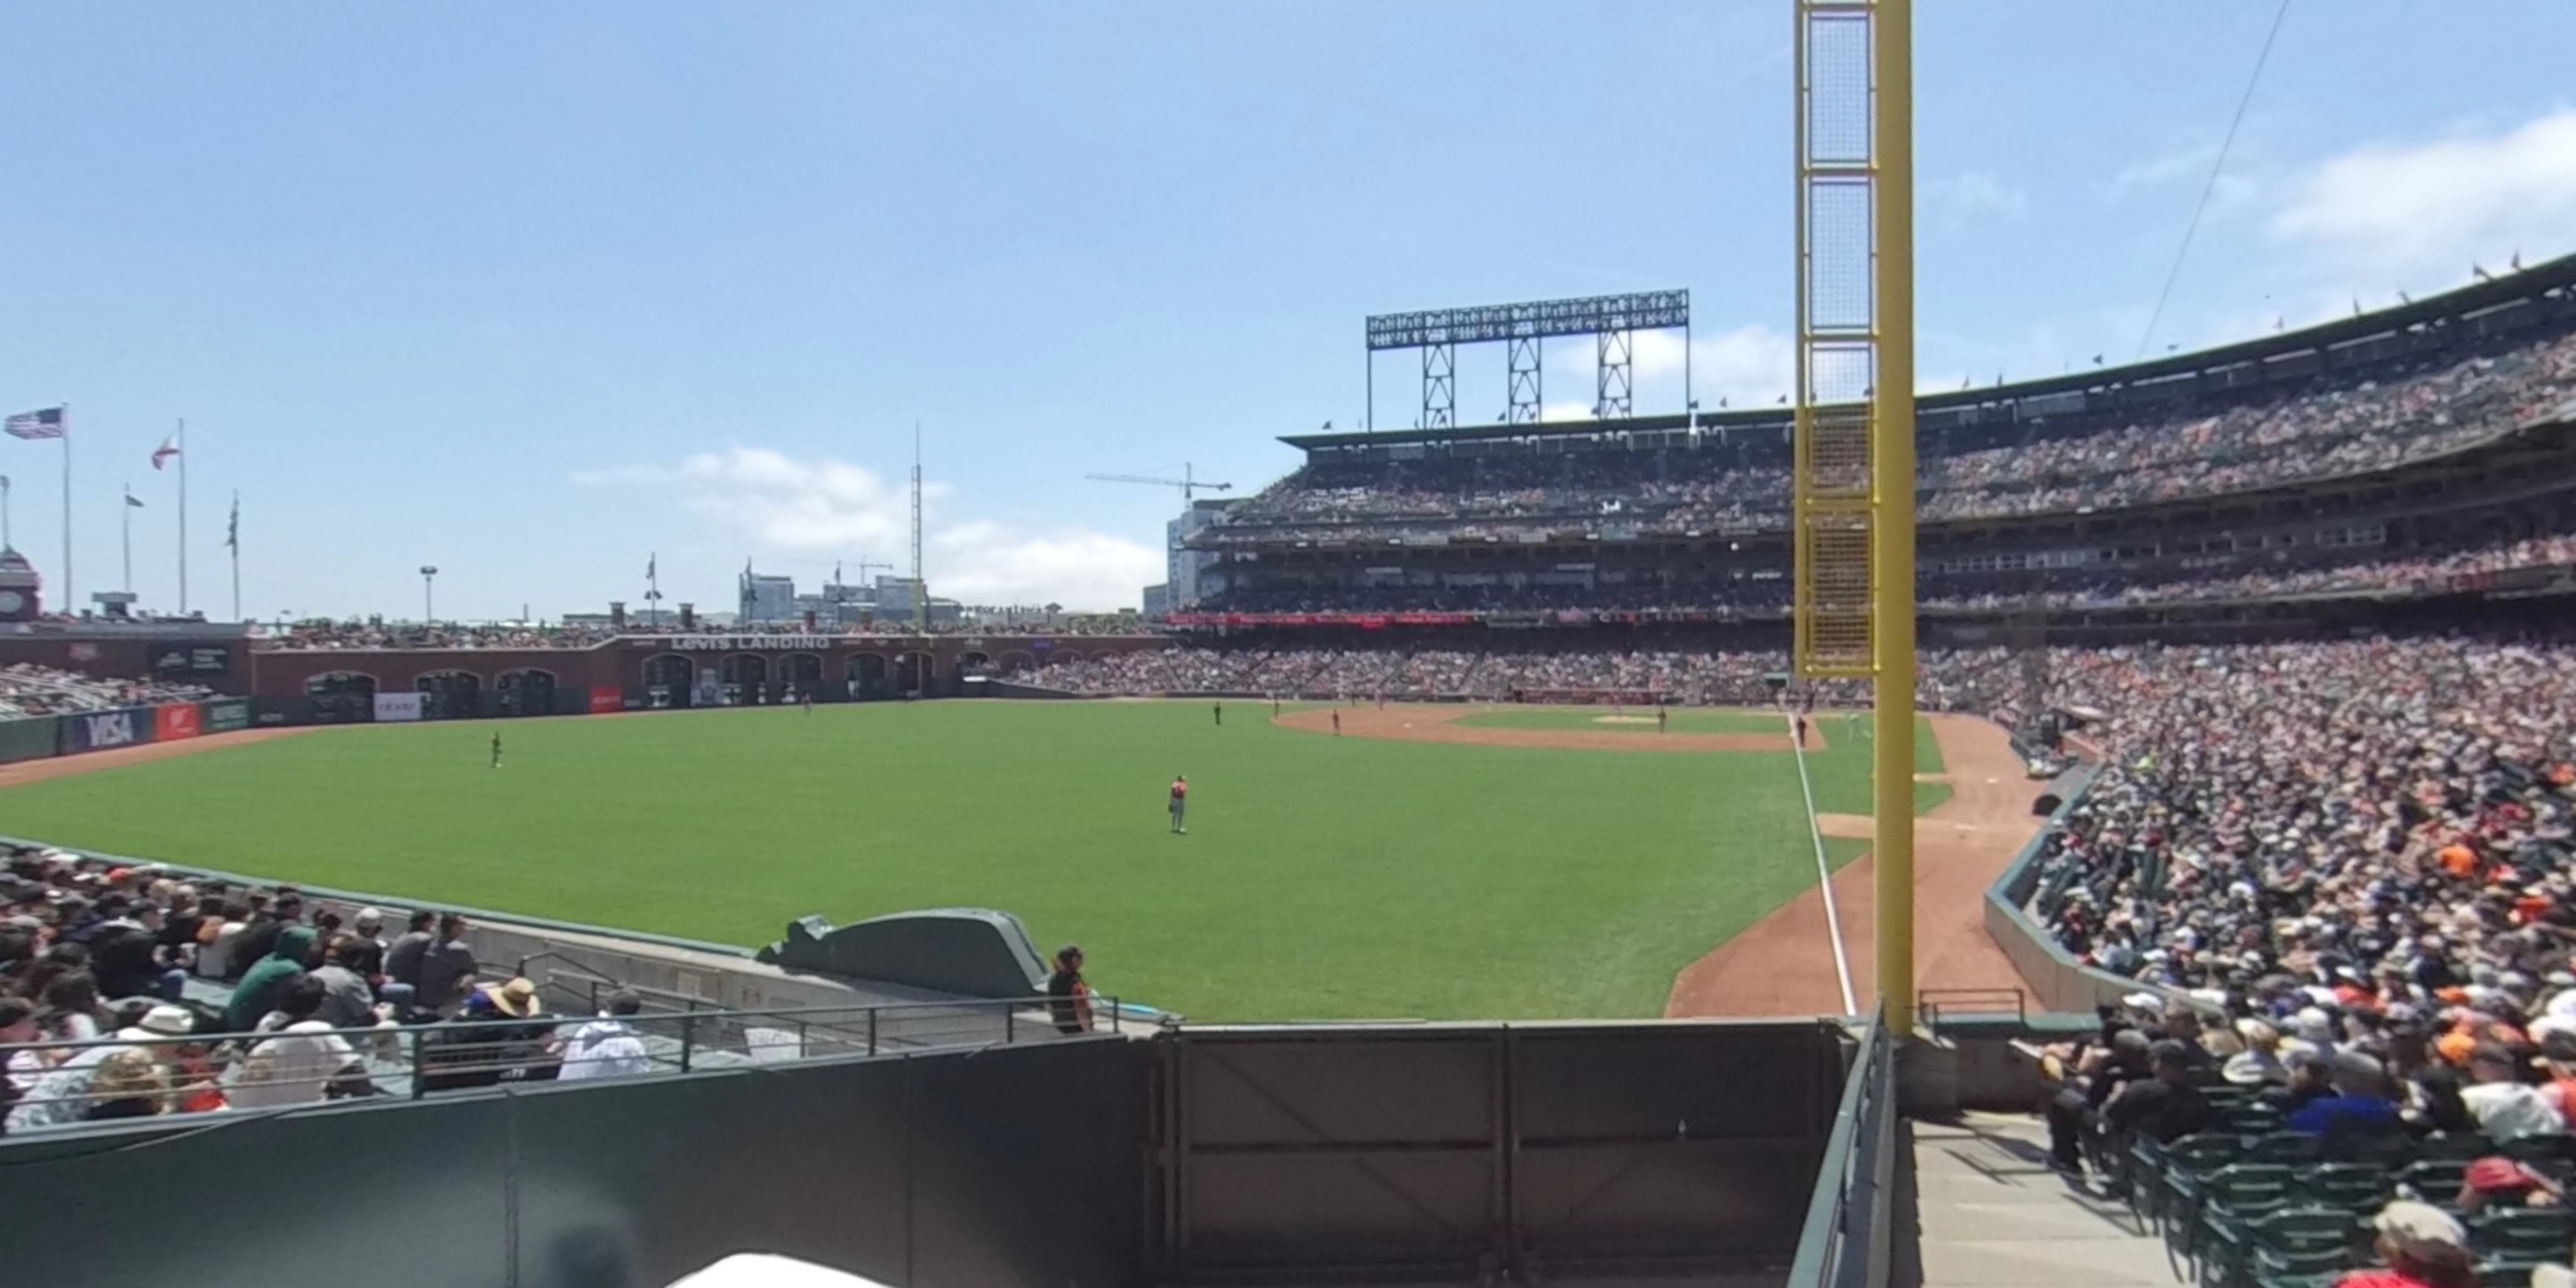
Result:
x=1963 y=198
x=2404 y=210
x=782 y=505
x=2187 y=162
x=1749 y=365
x=1565 y=411
x=2187 y=167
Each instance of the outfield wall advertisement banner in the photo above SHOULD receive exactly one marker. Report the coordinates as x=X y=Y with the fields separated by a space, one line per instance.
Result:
x=100 y=730
x=31 y=739
x=175 y=720
x=605 y=698
x=225 y=715
x=398 y=706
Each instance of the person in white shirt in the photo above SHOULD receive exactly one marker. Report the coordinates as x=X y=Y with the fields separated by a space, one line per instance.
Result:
x=300 y=1061
x=2505 y=1108
x=608 y=1047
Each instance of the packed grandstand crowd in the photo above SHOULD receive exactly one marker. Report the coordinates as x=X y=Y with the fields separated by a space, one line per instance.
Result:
x=128 y=992
x=2349 y=570
x=1679 y=676
x=30 y=690
x=2340 y=426
x=377 y=633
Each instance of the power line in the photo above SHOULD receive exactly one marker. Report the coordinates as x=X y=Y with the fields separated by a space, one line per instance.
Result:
x=2215 y=166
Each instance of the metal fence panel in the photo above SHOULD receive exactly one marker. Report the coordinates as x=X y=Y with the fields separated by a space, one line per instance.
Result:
x=1021 y=1166
x=1458 y=1149
x=31 y=738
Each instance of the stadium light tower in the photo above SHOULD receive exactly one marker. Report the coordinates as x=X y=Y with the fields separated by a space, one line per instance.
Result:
x=428 y=576
x=1854 y=465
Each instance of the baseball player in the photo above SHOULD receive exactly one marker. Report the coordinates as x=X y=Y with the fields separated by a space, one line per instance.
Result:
x=1180 y=805
x=496 y=749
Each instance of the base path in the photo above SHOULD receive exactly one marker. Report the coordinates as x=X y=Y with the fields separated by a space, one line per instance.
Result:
x=1438 y=722
x=1783 y=964
x=88 y=762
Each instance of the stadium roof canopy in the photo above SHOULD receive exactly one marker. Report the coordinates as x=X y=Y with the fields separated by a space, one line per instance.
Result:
x=2498 y=291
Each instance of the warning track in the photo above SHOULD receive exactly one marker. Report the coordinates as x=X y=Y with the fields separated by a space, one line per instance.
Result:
x=1783 y=964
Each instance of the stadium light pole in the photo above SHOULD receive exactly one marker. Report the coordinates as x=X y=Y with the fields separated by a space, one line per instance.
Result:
x=428 y=576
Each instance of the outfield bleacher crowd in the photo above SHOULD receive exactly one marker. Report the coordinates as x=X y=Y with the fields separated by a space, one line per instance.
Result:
x=30 y=690
x=2345 y=423
x=127 y=992
x=2387 y=812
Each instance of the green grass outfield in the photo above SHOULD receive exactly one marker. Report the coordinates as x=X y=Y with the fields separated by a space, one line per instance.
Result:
x=1322 y=877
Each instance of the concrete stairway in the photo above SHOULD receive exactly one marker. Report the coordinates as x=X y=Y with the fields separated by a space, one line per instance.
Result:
x=1992 y=1215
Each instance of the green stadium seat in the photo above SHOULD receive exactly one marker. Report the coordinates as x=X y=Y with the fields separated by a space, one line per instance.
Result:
x=2524 y=1234
x=2234 y=1196
x=2293 y=1241
x=2345 y=1186
x=2434 y=1180
x=2460 y=1145
x=2173 y=1187
x=2285 y=1147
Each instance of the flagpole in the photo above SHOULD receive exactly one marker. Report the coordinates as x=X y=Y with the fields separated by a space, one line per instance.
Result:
x=232 y=538
x=68 y=601
x=126 y=512
x=183 y=516
x=4 y=513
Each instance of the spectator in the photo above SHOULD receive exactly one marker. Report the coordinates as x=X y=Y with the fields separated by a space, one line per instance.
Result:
x=2099 y=1073
x=1068 y=994
x=608 y=1047
x=263 y=984
x=298 y=1060
x=2422 y=1247
x=447 y=966
x=129 y=1083
x=285 y=910
x=2359 y=1106
x=219 y=942
x=2497 y=1181
x=62 y=1093
x=2506 y=1109
x=2164 y=1106
x=403 y=958
x=347 y=1002
x=366 y=946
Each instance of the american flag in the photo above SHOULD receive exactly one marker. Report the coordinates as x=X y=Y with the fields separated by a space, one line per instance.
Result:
x=37 y=424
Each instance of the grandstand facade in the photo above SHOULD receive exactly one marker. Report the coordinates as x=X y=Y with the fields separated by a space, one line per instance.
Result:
x=2296 y=482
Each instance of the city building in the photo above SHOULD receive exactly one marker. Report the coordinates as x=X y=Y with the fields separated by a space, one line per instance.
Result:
x=1158 y=601
x=1191 y=575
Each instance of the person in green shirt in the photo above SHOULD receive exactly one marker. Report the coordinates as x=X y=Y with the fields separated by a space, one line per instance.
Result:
x=267 y=978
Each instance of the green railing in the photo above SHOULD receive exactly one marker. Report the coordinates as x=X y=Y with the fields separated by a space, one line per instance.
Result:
x=1844 y=1242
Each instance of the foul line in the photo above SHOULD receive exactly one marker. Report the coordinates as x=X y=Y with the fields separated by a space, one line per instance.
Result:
x=1824 y=873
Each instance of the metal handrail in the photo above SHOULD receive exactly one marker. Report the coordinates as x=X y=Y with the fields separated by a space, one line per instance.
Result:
x=532 y=1049
x=1846 y=1184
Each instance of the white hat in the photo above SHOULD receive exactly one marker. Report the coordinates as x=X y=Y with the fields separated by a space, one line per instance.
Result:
x=163 y=1021
x=368 y=917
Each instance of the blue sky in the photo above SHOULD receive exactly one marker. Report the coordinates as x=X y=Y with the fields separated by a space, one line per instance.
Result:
x=528 y=292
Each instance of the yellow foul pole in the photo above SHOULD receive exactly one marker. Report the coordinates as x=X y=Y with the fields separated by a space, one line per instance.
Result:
x=1892 y=509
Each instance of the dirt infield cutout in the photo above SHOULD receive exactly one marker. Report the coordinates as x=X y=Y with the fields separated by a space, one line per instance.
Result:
x=1439 y=723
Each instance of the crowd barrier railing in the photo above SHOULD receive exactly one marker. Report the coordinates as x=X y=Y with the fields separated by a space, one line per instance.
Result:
x=62 y=1080
x=1844 y=1243
x=2059 y=982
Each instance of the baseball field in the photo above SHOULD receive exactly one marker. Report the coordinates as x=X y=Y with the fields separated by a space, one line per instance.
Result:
x=1437 y=862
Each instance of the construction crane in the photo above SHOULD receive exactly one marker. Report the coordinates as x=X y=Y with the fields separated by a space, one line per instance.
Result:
x=1188 y=482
